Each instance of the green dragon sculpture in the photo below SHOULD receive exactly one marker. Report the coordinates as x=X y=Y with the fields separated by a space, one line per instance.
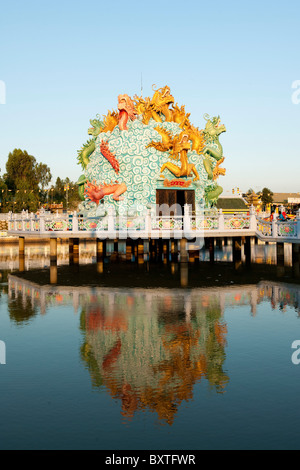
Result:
x=212 y=193
x=88 y=148
x=213 y=148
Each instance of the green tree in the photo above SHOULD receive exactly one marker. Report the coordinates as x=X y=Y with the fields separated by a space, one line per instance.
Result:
x=266 y=196
x=3 y=195
x=64 y=191
x=26 y=180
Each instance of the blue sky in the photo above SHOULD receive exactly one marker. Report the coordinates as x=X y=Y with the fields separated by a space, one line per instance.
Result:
x=63 y=62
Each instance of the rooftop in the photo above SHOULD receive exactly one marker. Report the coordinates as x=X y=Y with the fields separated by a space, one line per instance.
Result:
x=281 y=197
x=231 y=203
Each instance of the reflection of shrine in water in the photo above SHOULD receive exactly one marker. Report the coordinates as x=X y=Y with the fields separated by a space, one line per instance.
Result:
x=149 y=347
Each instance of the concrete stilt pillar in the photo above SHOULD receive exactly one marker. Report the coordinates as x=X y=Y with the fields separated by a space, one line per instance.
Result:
x=152 y=250
x=280 y=259
x=53 y=260
x=21 y=254
x=147 y=250
x=296 y=259
x=247 y=250
x=71 y=252
x=53 y=250
x=183 y=251
x=174 y=251
x=76 y=251
x=140 y=248
x=184 y=273
x=99 y=249
x=219 y=243
x=100 y=255
x=135 y=249
x=211 y=247
x=165 y=251
x=21 y=246
x=159 y=250
x=237 y=251
x=280 y=254
x=129 y=246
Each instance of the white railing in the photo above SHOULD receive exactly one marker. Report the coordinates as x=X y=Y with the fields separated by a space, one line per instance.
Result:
x=279 y=230
x=149 y=224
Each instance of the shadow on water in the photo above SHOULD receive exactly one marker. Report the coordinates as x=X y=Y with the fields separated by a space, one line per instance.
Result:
x=171 y=275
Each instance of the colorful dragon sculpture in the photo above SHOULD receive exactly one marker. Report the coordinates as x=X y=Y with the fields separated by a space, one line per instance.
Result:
x=213 y=148
x=104 y=148
x=161 y=109
x=89 y=147
x=95 y=192
x=157 y=108
x=126 y=111
x=178 y=146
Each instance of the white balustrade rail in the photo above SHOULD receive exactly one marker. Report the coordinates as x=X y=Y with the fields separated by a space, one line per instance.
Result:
x=149 y=225
x=288 y=230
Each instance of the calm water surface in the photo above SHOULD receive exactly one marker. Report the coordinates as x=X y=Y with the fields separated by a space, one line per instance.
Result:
x=94 y=365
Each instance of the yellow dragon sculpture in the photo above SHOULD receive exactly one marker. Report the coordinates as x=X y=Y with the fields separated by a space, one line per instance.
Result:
x=178 y=146
x=156 y=107
x=110 y=121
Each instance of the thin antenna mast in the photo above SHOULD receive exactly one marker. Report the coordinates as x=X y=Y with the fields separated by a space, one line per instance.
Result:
x=141 y=85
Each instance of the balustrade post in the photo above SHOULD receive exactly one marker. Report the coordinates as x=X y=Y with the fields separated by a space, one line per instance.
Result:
x=9 y=220
x=274 y=228
x=298 y=223
x=23 y=215
x=31 y=222
x=253 y=221
x=75 y=225
x=186 y=219
x=221 y=220
x=42 y=223
x=110 y=220
x=148 y=222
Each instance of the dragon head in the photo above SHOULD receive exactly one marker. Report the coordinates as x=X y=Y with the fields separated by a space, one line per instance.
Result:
x=96 y=128
x=161 y=98
x=213 y=126
x=181 y=142
x=126 y=111
x=126 y=104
